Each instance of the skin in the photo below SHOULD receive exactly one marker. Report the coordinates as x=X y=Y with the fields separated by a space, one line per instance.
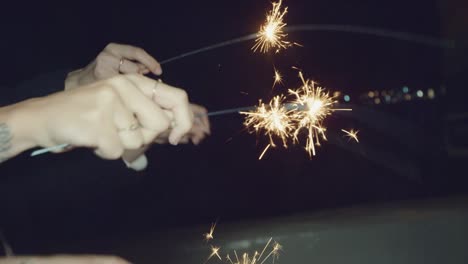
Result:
x=98 y=116
x=135 y=60
x=98 y=106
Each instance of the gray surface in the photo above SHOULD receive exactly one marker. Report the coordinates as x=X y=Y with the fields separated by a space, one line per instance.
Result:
x=423 y=232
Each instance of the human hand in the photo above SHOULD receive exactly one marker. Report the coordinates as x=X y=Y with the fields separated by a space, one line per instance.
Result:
x=115 y=59
x=199 y=130
x=123 y=112
x=60 y=259
x=136 y=159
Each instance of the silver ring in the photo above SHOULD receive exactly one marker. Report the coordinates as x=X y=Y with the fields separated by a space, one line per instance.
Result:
x=121 y=62
x=133 y=127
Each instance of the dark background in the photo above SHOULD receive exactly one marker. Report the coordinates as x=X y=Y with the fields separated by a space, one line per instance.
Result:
x=408 y=150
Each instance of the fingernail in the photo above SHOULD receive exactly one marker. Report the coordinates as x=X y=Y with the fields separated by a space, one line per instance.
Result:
x=158 y=71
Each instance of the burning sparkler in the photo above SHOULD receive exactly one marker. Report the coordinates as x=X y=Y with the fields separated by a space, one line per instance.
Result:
x=272 y=119
x=271 y=34
x=308 y=109
x=317 y=105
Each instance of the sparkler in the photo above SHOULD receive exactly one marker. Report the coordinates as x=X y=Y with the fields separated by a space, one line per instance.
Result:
x=271 y=34
x=308 y=109
x=318 y=105
x=272 y=119
x=377 y=32
x=351 y=134
x=246 y=258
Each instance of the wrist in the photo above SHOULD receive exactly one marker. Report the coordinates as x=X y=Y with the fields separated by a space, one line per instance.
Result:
x=21 y=121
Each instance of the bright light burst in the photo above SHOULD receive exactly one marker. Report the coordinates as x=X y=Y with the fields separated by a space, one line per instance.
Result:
x=271 y=34
x=272 y=119
x=351 y=134
x=286 y=120
x=314 y=104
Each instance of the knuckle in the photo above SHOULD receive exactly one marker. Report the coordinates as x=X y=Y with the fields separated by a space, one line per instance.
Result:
x=110 y=46
x=181 y=95
x=101 y=59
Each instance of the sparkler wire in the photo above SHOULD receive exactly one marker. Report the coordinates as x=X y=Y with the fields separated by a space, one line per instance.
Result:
x=399 y=35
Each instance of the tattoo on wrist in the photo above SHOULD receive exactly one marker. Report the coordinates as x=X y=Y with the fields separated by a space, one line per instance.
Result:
x=5 y=141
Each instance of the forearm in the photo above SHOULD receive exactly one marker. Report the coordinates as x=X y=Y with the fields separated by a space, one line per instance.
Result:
x=16 y=133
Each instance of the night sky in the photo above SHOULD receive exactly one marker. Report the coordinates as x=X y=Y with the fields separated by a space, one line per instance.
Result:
x=53 y=199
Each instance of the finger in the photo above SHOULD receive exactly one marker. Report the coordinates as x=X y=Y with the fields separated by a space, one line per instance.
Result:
x=107 y=65
x=170 y=98
x=109 y=144
x=184 y=140
x=197 y=135
x=110 y=64
x=128 y=127
x=196 y=139
x=142 y=69
x=202 y=122
x=202 y=114
x=135 y=53
x=152 y=118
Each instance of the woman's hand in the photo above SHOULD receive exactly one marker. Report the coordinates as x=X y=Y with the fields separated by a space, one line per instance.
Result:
x=199 y=130
x=123 y=112
x=136 y=159
x=115 y=59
